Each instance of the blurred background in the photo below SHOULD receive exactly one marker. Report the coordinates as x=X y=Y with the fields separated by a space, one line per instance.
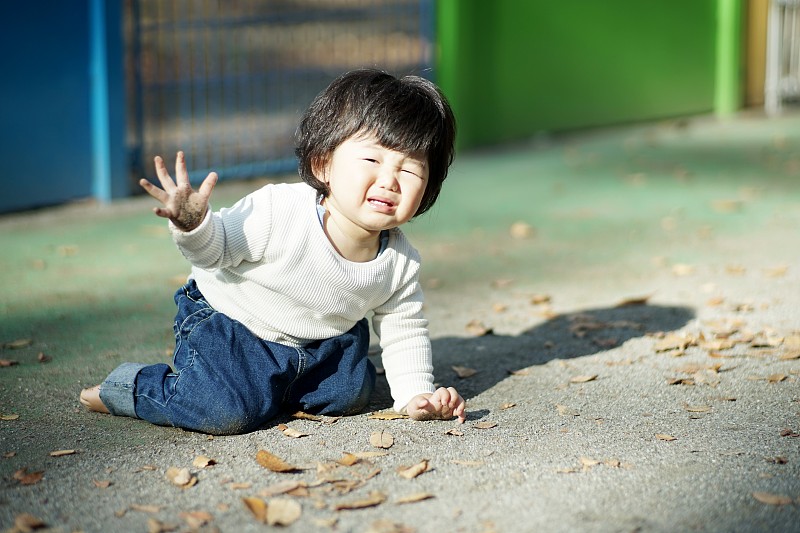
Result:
x=93 y=89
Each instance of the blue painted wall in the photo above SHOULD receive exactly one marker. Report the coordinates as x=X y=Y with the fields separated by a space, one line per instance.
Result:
x=47 y=149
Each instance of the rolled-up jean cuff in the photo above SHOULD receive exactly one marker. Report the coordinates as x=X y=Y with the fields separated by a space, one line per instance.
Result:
x=116 y=392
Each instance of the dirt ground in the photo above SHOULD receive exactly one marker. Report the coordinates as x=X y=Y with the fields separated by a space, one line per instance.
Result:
x=619 y=307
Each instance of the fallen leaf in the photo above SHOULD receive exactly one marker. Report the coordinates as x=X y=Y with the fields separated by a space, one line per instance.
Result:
x=9 y=455
x=786 y=432
x=668 y=438
x=291 y=432
x=283 y=512
x=507 y=405
x=151 y=509
x=697 y=408
x=257 y=506
x=374 y=498
x=8 y=362
x=157 y=526
x=789 y=356
x=387 y=415
x=521 y=230
x=61 y=453
x=776 y=272
x=485 y=425
x=381 y=439
x=410 y=472
x=25 y=522
x=673 y=342
x=201 y=461
x=348 y=459
x=540 y=299
x=42 y=358
x=680 y=381
x=583 y=379
x=499 y=308
x=772 y=499
x=779 y=460
x=18 y=344
x=563 y=410
x=274 y=463
x=196 y=519
x=307 y=416
x=9 y=417
x=776 y=378
x=476 y=328
x=283 y=487
x=414 y=498
x=101 y=484
x=463 y=462
x=454 y=432
x=464 y=372
x=638 y=300
x=240 y=486
x=28 y=478
x=180 y=477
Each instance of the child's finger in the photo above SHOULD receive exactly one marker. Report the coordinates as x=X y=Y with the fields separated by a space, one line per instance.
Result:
x=154 y=191
x=208 y=185
x=163 y=175
x=181 y=175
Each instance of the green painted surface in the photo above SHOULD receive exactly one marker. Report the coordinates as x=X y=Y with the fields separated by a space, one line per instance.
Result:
x=514 y=68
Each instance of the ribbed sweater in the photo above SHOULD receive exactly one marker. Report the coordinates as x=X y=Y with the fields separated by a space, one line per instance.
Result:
x=267 y=263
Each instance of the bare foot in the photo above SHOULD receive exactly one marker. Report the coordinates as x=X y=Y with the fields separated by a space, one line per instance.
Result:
x=90 y=398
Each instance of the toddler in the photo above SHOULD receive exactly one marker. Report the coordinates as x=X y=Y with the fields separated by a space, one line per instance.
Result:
x=273 y=315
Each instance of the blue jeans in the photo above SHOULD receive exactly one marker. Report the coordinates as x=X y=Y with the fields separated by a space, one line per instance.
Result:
x=228 y=381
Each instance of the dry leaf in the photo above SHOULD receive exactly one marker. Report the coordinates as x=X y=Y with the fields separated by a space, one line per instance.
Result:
x=18 y=344
x=274 y=463
x=639 y=300
x=8 y=362
x=521 y=230
x=790 y=356
x=668 y=438
x=101 y=484
x=197 y=519
x=201 y=461
x=374 y=498
x=9 y=417
x=283 y=487
x=348 y=459
x=697 y=408
x=776 y=378
x=410 y=472
x=307 y=416
x=499 y=308
x=414 y=498
x=387 y=415
x=563 y=410
x=454 y=432
x=291 y=432
x=61 y=453
x=583 y=379
x=464 y=372
x=151 y=509
x=240 y=486
x=181 y=477
x=507 y=405
x=28 y=478
x=520 y=372
x=540 y=299
x=485 y=425
x=772 y=499
x=466 y=463
x=257 y=506
x=776 y=272
x=25 y=522
x=42 y=358
x=671 y=342
x=381 y=439
x=476 y=328
x=156 y=526
x=283 y=512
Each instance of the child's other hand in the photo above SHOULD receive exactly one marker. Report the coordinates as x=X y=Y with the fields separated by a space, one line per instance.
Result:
x=443 y=404
x=184 y=206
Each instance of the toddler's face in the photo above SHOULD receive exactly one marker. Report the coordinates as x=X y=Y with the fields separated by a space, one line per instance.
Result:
x=372 y=187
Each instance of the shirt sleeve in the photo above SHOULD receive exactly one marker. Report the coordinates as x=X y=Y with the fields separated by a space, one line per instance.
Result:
x=405 y=343
x=231 y=236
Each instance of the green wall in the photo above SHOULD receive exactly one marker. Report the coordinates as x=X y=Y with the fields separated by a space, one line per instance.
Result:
x=512 y=68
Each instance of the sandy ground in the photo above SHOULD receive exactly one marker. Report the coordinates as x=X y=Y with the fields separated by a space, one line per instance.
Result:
x=630 y=351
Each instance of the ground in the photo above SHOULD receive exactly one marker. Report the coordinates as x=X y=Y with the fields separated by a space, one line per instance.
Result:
x=621 y=304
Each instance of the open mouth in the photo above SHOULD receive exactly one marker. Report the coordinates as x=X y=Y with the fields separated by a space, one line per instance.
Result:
x=380 y=203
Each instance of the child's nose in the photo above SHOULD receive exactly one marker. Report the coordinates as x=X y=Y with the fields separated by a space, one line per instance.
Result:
x=387 y=178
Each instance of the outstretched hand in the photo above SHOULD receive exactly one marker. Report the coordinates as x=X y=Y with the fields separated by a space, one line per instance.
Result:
x=443 y=404
x=184 y=206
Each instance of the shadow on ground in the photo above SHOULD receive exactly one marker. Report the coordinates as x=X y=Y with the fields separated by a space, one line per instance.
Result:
x=566 y=336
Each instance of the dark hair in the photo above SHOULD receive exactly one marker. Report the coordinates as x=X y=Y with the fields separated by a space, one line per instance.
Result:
x=408 y=114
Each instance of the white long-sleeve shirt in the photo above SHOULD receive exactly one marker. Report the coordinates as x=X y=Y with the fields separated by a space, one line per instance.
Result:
x=267 y=263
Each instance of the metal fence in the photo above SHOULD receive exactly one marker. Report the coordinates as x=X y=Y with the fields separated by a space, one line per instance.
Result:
x=227 y=81
x=783 y=55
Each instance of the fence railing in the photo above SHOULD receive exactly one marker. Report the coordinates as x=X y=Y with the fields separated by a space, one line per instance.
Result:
x=227 y=81
x=783 y=54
